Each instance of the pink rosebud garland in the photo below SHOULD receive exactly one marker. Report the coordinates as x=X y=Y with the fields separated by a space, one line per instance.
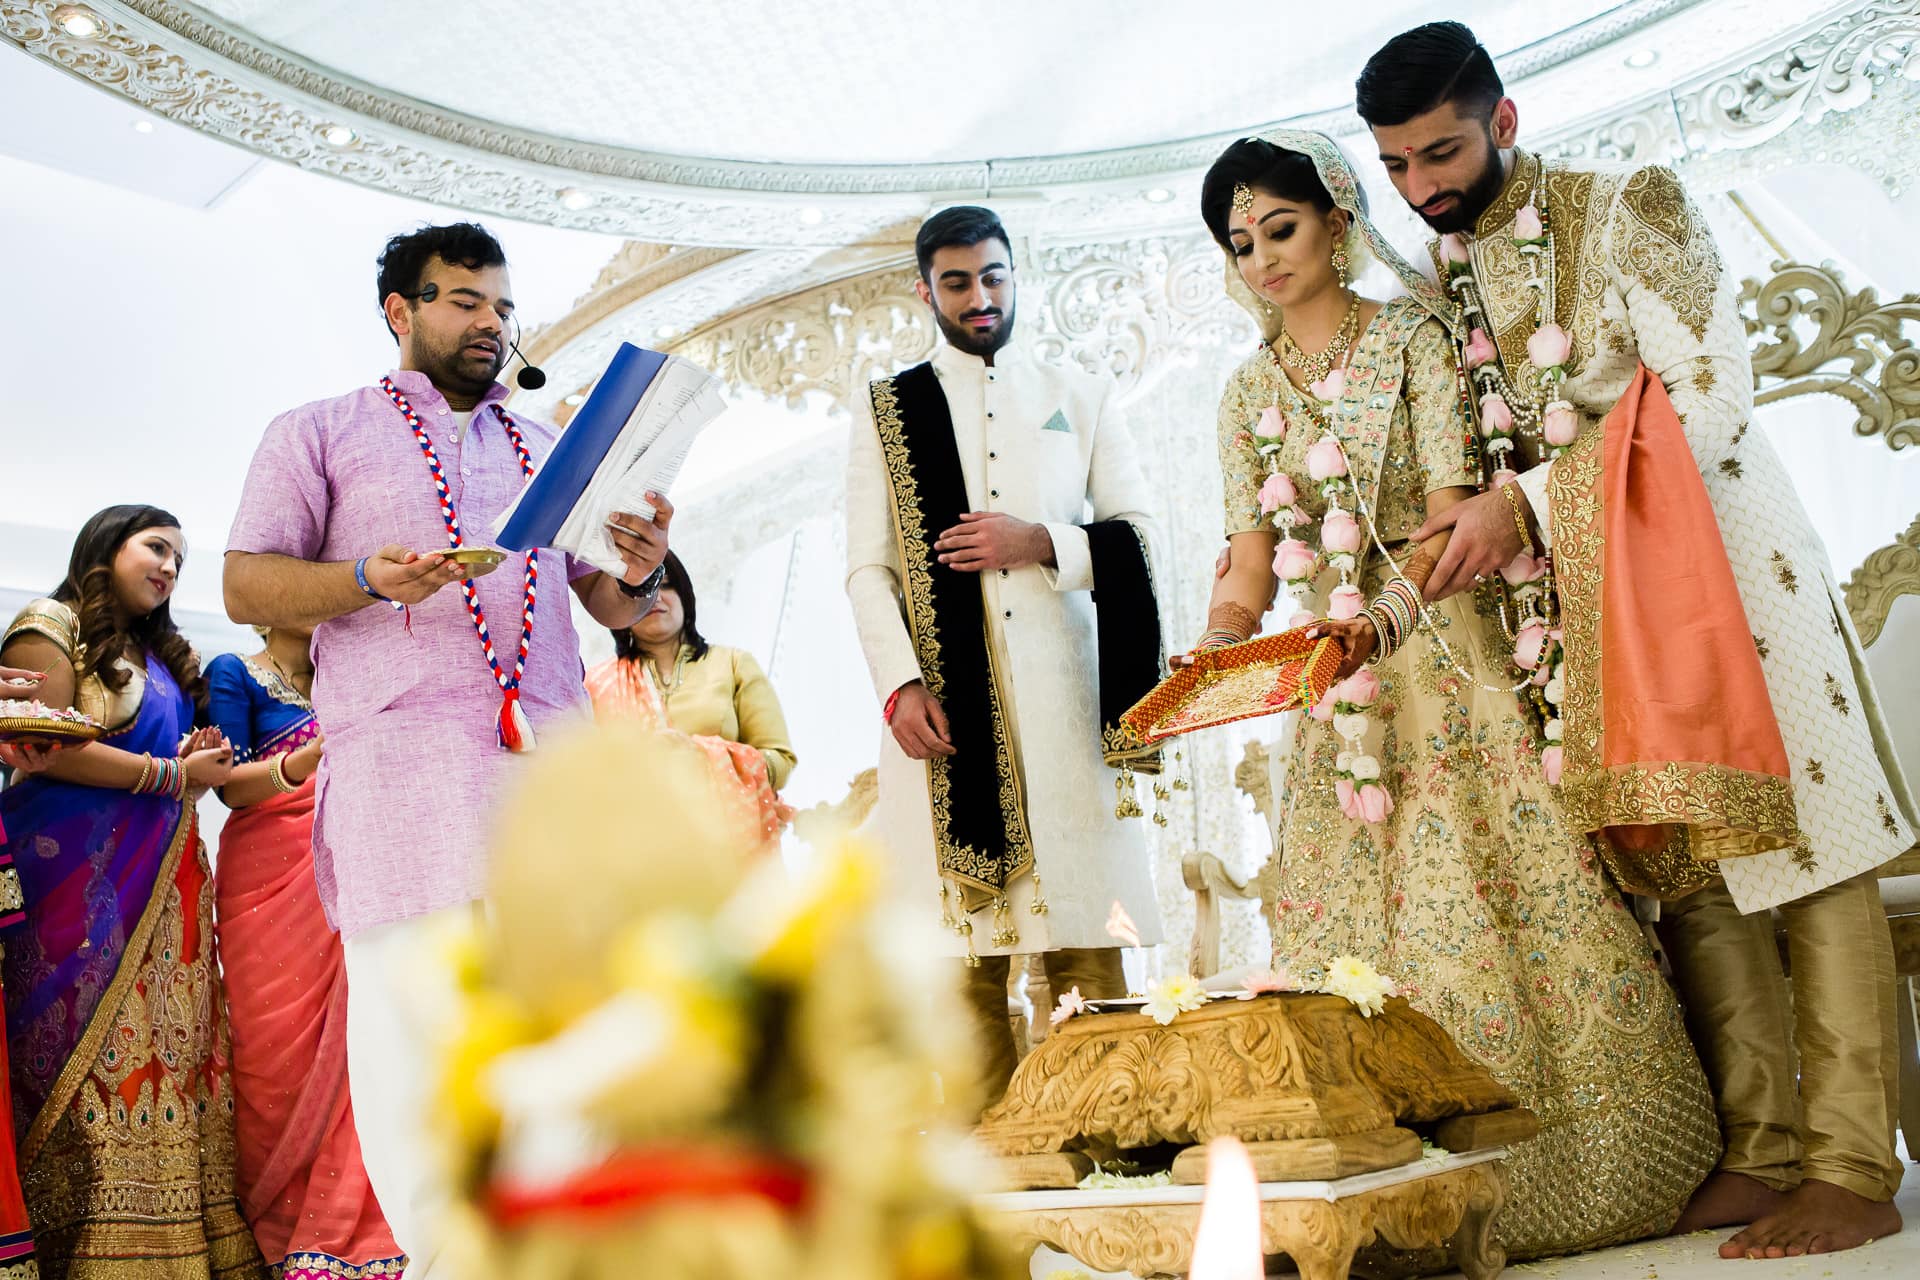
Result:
x=1345 y=602
x=1326 y=460
x=1277 y=492
x=1560 y=424
x=1496 y=415
x=1480 y=349
x=1340 y=532
x=1293 y=561
x=1453 y=252
x=1272 y=424
x=1530 y=646
x=1552 y=761
x=1527 y=226
x=1549 y=347
x=1331 y=387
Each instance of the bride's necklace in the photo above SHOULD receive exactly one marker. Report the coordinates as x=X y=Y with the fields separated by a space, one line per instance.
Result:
x=1317 y=366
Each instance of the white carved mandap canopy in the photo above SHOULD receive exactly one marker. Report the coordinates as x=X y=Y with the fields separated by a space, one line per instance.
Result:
x=751 y=174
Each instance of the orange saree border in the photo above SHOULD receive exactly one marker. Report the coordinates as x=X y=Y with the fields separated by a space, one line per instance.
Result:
x=1668 y=725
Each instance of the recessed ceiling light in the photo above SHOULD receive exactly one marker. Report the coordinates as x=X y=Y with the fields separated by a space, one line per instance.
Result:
x=1158 y=195
x=79 y=21
x=1641 y=59
x=811 y=216
x=576 y=199
x=575 y=399
x=143 y=126
x=666 y=331
x=338 y=136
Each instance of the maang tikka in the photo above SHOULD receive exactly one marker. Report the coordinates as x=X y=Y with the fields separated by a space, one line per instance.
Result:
x=1243 y=201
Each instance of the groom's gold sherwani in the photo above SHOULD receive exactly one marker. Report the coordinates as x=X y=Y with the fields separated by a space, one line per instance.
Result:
x=1636 y=279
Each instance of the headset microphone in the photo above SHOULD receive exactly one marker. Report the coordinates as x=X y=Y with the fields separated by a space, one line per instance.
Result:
x=531 y=377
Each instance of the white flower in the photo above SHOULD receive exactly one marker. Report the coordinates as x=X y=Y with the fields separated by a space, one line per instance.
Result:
x=1556 y=691
x=1171 y=997
x=1358 y=982
x=1070 y=1004
x=1351 y=725
x=1554 y=731
x=1343 y=763
x=1365 y=769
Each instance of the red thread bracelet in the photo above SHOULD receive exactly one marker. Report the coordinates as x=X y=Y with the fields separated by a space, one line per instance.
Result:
x=893 y=700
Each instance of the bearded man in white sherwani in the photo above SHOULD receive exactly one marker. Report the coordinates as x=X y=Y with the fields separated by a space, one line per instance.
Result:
x=988 y=496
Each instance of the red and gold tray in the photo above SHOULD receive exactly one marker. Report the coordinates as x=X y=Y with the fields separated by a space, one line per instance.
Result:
x=1260 y=677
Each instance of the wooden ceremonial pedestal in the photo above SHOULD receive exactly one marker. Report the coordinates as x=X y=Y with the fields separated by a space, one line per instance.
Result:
x=1330 y=1104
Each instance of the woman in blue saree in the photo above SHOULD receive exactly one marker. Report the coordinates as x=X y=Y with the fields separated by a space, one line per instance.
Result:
x=116 y=1030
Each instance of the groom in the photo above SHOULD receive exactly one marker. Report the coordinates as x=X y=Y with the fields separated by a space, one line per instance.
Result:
x=1635 y=280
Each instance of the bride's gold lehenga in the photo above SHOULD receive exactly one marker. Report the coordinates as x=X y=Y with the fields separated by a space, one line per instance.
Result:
x=1497 y=920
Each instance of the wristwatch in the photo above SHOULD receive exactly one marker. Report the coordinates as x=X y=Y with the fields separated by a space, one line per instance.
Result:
x=648 y=585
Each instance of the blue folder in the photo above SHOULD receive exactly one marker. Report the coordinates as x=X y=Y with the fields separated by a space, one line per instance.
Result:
x=582 y=447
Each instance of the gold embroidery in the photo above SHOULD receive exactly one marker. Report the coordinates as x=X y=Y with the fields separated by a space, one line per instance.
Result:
x=1803 y=855
x=11 y=898
x=1731 y=467
x=1727 y=807
x=1573 y=499
x=1783 y=574
x=310 y=1266
x=973 y=869
x=1817 y=772
x=143 y=1186
x=1760 y=647
x=1704 y=378
x=1886 y=814
x=1664 y=244
x=1837 y=695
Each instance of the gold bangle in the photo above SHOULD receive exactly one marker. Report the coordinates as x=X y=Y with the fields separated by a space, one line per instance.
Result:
x=1230 y=618
x=146 y=772
x=1519 y=520
x=278 y=778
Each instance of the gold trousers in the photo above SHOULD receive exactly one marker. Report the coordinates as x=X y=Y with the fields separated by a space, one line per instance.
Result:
x=1838 y=1126
x=1095 y=970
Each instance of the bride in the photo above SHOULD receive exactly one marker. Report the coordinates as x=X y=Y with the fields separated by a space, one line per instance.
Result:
x=1418 y=829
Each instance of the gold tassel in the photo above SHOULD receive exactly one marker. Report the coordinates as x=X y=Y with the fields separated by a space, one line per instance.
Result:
x=946 y=907
x=966 y=931
x=1129 y=805
x=1004 y=934
x=1179 y=774
x=1038 y=906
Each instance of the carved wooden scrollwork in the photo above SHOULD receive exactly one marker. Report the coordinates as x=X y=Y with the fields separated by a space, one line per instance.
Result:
x=1890 y=572
x=1811 y=336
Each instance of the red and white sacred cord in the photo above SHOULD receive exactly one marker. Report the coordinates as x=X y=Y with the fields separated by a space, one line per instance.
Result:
x=514 y=730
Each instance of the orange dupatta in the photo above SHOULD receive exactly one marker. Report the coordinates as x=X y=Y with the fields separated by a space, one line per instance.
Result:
x=1673 y=757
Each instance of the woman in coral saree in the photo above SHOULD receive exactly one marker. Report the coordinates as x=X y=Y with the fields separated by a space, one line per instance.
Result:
x=302 y=1184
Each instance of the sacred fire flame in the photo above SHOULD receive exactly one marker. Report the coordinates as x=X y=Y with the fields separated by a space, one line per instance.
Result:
x=1226 y=1245
x=1120 y=926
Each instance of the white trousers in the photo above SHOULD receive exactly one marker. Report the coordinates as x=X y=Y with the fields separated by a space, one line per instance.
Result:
x=401 y=1000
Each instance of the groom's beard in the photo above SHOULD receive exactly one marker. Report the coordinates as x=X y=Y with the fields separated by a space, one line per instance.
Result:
x=1470 y=203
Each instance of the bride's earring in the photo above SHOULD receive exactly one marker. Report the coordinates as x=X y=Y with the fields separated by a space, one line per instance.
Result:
x=1341 y=264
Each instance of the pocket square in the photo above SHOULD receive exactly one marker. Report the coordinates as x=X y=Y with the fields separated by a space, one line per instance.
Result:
x=1058 y=422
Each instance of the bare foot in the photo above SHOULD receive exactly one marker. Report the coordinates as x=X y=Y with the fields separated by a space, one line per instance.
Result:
x=1818 y=1217
x=1728 y=1199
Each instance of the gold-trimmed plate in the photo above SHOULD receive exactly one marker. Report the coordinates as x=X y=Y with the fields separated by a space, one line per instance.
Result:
x=38 y=731
x=477 y=561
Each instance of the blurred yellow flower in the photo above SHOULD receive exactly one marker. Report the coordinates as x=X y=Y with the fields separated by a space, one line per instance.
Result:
x=489 y=1025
